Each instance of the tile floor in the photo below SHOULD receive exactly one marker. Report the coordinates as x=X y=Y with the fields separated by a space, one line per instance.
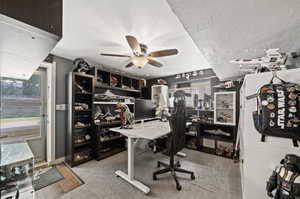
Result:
x=216 y=178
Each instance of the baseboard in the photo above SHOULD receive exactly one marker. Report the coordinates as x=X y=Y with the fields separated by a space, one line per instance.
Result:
x=40 y=165
x=57 y=161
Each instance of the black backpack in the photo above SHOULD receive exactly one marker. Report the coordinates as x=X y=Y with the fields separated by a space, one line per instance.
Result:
x=278 y=110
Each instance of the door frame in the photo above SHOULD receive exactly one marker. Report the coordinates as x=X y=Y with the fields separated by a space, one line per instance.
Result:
x=51 y=110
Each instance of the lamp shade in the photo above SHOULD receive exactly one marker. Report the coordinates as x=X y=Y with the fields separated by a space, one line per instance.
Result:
x=139 y=61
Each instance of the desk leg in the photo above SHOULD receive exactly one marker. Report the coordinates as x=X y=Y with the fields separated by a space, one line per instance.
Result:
x=130 y=176
x=130 y=163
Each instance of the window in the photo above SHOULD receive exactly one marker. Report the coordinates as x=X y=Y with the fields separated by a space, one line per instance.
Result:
x=21 y=107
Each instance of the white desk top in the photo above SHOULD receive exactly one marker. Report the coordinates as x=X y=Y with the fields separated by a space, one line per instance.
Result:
x=149 y=130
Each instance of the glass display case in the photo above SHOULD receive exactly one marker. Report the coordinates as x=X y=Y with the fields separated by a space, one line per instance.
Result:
x=225 y=108
x=16 y=170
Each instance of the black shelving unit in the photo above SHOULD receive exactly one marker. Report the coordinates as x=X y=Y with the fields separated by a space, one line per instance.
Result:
x=79 y=148
x=127 y=82
x=136 y=84
x=108 y=142
x=80 y=140
x=102 y=77
x=125 y=86
x=195 y=141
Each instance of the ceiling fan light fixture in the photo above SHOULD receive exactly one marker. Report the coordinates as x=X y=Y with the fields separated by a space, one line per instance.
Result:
x=140 y=56
x=140 y=62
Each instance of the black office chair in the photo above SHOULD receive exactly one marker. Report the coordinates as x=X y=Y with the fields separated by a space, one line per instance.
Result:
x=176 y=141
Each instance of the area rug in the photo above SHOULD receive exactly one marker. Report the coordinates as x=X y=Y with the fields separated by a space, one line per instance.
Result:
x=67 y=183
x=70 y=181
x=47 y=178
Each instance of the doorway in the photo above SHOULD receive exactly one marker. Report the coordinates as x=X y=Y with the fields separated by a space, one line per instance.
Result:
x=24 y=111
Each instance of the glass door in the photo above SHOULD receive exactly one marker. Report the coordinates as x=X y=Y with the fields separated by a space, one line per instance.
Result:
x=23 y=111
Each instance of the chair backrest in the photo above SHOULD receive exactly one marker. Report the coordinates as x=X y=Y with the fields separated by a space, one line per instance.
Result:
x=177 y=123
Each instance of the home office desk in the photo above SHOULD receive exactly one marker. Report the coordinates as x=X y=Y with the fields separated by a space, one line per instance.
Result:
x=148 y=130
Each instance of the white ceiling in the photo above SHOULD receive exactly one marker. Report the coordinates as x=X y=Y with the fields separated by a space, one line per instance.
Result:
x=229 y=29
x=100 y=26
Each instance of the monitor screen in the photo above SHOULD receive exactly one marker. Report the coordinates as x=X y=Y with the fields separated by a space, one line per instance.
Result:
x=144 y=109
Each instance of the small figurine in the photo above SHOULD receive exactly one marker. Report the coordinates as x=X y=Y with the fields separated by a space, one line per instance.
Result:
x=125 y=115
x=81 y=66
x=163 y=113
x=285 y=179
x=162 y=82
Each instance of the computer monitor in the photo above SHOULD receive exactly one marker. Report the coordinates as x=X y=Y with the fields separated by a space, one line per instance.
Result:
x=144 y=109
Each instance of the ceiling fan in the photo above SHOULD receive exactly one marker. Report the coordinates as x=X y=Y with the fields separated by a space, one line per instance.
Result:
x=140 y=56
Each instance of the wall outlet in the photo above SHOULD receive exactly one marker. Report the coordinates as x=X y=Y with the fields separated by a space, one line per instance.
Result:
x=61 y=107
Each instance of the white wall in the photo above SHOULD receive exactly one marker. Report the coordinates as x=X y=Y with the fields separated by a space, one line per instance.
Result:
x=260 y=158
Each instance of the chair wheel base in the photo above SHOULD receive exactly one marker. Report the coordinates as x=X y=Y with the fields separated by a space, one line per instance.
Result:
x=173 y=168
x=178 y=187
x=193 y=177
x=154 y=177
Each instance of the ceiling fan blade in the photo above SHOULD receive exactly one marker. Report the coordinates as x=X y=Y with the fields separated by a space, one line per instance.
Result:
x=134 y=45
x=113 y=55
x=129 y=65
x=163 y=53
x=154 y=63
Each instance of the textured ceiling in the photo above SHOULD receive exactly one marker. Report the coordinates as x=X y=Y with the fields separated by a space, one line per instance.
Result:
x=229 y=29
x=22 y=48
x=99 y=26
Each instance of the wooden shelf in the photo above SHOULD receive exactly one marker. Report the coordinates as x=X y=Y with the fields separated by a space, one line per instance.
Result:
x=76 y=163
x=82 y=144
x=112 y=139
x=80 y=128
x=113 y=151
x=120 y=89
x=207 y=150
x=192 y=148
x=87 y=110
x=213 y=151
x=113 y=103
x=109 y=124
x=190 y=134
x=217 y=137
x=78 y=93
x=203 y=127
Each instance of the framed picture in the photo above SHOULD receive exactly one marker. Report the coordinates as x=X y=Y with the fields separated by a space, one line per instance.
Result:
x=225 y=108
x=200 y=94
